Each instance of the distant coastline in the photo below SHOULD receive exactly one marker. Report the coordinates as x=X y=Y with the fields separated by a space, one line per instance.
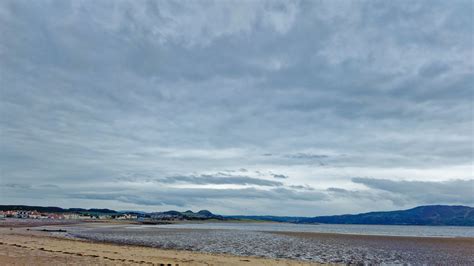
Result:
x=423 y=215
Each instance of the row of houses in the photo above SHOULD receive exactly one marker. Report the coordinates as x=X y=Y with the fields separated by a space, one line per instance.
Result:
x=20 y=214
x=30 y=215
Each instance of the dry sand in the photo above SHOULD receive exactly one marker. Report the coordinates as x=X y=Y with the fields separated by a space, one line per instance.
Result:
x=19 y=246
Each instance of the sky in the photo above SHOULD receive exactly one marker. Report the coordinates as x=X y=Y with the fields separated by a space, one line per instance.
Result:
x=297 y=108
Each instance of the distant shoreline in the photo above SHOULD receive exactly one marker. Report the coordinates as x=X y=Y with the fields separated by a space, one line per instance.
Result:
x=432 y=215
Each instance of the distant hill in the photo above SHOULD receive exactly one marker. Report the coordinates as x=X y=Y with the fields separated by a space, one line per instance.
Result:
x=187 y=215
x=423 y=215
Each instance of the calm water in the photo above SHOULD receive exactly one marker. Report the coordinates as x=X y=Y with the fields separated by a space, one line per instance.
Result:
x=388 y=230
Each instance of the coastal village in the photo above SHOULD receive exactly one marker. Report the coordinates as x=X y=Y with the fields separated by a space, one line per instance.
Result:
x=22 y=214
x=56 y=213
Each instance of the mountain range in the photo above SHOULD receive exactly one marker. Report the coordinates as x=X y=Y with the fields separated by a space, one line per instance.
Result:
x=423 y=215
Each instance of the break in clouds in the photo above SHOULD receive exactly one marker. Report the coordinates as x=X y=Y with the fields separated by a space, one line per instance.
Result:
x=240 y=107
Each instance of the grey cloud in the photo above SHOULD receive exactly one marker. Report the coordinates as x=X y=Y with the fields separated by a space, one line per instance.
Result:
x=181 y=197
x=206 y=179
x=424 y=192
x=434 y=69
x=231 y=171
x=280 y=176
x=46 y=186
x=305 y=187
x=306 y=156
x=363 y=195
x=337 y=190
x=16 y=186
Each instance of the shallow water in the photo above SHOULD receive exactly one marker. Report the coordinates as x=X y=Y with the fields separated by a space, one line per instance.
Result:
x=383 y=230
x=275 y=241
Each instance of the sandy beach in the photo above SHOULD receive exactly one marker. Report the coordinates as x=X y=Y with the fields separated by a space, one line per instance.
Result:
x=20 y=246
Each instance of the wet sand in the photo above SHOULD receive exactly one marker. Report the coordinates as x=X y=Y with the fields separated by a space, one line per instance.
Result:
x=19 y=246
x=13 y=222
x=418 y=250
x=301 y=246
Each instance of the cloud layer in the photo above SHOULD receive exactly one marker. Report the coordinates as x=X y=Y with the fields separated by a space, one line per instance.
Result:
x=167 y=104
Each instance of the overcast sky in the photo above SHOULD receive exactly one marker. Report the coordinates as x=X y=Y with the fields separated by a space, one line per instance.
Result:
x=246 y=107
